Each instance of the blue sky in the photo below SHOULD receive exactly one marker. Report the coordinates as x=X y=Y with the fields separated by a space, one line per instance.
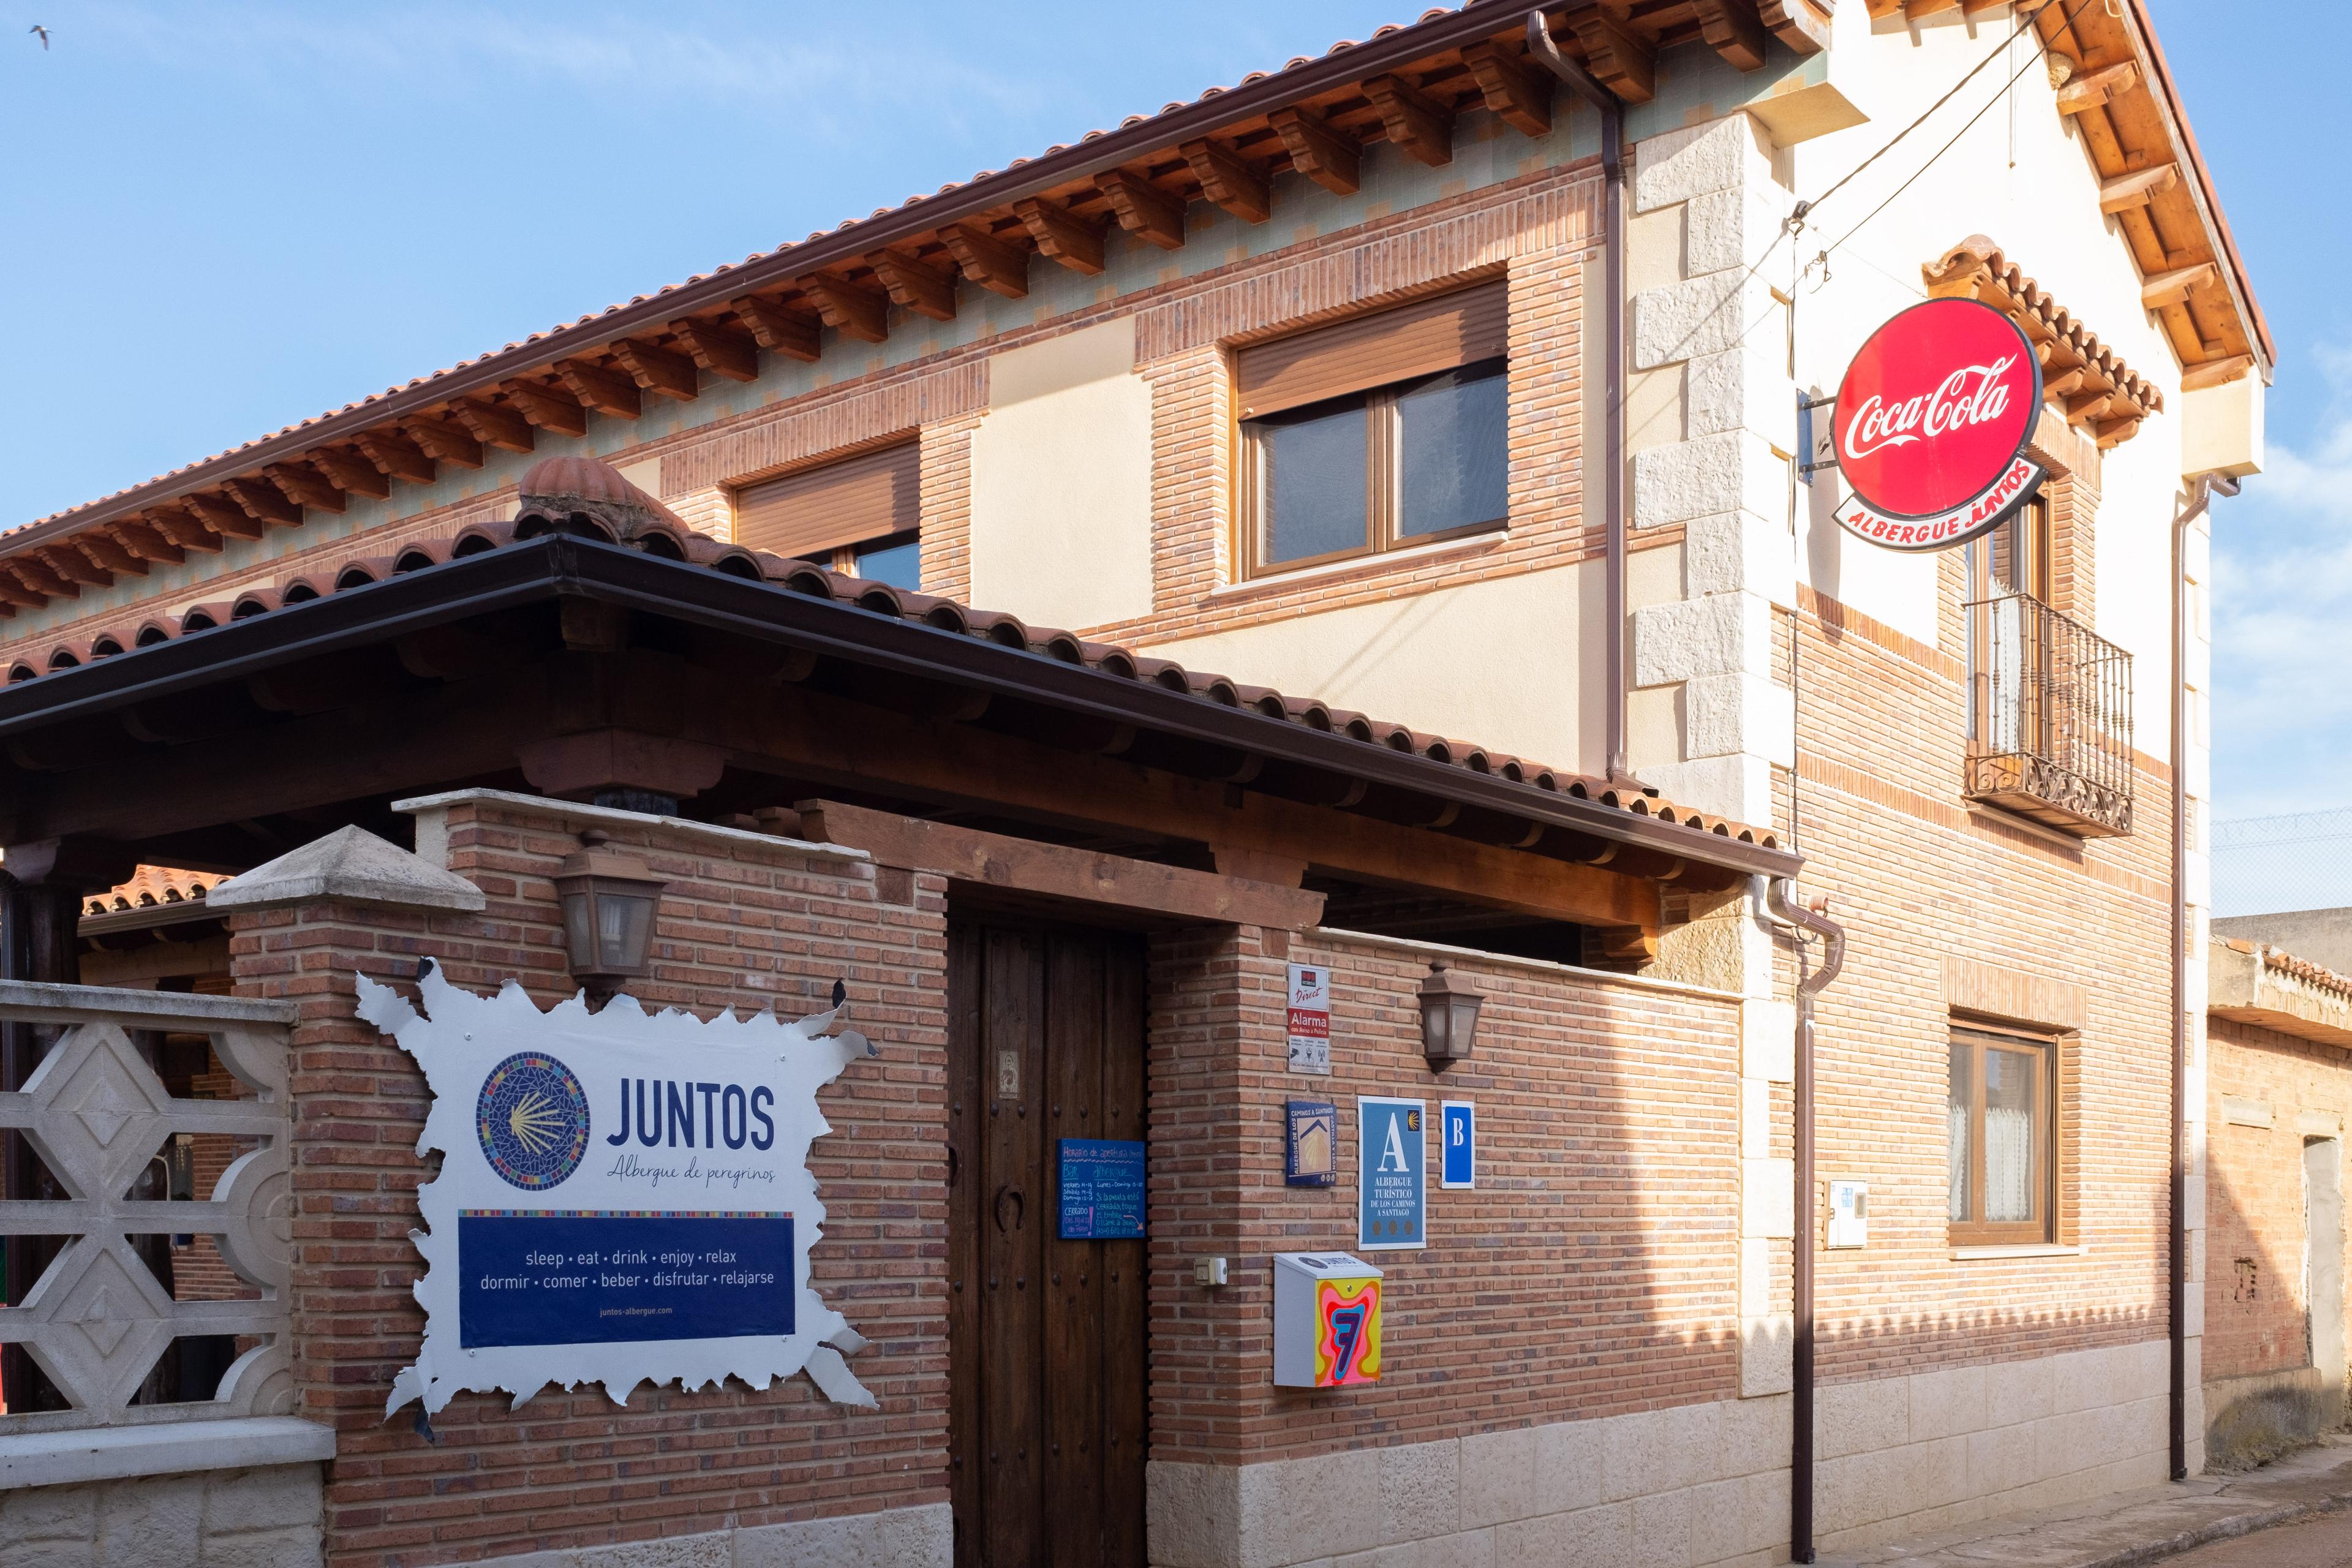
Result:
x=222 y=218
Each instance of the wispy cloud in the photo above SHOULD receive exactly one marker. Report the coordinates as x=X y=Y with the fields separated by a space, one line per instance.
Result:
x=677 y=64
x=2282 y=621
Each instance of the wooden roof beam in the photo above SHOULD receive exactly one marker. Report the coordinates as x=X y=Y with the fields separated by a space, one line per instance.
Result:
x=265 y=501
x=447 y=443
x=1733 y=29
x=607 y=392
x=2215 y=372
x=2086 y=94
x=41 y=578
x=1415 y=122
x=181 y=529
x=915 y=286
x=1324 y=155
x=71 y=565
x=1512 y=92
x=14 y=593
x=1142 y=208
x=779 y=329
x=659 y=370
x=548 y=408
x=494 y=424
x=106 y=553
x=306 y=486
x=2130 y=191
x=1229 y=179
x=995 y=265
x=2172 y=288
x=720 y=349
x=229 y=521
x=144 y=540
x=1796 y=23
x=349 y=472
x=398 y=456
x=1075 y=242
x=1622 y=62
x=849 y=309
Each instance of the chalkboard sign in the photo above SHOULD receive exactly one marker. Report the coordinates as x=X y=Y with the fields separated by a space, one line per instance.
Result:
x=1102 y=1190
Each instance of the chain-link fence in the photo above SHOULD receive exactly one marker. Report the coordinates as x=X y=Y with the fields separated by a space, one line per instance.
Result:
x=2265 y=865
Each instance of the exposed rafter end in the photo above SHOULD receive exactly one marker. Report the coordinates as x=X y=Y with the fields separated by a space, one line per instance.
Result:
x=915 y=286
x=1075 y=242
x=1512 y=92
x=1229 y=179
x=1417 y=124
x=1143 y=209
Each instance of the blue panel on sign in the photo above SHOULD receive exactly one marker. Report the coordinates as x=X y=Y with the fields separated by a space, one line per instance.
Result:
x=1458 y=1125
x=1102 y=1190
x=571 y=1277
x=1392 y=1171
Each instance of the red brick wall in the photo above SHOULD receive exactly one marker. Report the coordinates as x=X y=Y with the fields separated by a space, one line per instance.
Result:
x=1914 y=874
x=2254 y=1300
x=750 y=925
x=1593 y=1271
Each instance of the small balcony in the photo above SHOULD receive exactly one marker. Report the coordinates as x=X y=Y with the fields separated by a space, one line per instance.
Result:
x=2050 y=721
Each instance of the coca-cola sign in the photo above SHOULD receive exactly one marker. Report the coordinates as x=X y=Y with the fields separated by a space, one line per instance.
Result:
x=1932 y=422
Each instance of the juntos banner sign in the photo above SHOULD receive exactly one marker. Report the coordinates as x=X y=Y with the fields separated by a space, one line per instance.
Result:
x=1933 y=418
x=623 y=1197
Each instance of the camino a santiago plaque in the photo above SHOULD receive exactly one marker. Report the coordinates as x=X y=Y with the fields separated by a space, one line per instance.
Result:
x=623 y=1197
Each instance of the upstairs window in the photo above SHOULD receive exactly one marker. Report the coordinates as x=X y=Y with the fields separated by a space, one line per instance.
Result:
x=1376 y=433
x=856 y=515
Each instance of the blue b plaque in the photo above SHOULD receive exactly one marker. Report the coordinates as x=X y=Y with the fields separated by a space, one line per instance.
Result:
x=1102 y=1190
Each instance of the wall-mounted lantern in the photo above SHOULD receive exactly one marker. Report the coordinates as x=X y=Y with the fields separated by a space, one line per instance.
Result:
x=609 y=897
x=1449 y=1014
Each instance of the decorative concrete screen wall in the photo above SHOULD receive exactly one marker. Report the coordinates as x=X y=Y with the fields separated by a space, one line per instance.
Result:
x=98 y=1319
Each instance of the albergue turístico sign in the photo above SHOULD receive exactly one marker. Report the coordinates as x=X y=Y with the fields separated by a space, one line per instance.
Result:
x=1932 y=422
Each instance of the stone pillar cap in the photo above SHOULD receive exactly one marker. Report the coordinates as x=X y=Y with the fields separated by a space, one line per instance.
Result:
x=352 y=866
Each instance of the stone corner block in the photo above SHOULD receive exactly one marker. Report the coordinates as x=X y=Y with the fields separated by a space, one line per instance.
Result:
x=1767 y=1198
x=1692 y=160
x=1731 y=471
x=1192 y=1514
x=1738 y=786
x=1710 y=314
x=1723 y=634
x=1767 y=1355
x=1741 y=713
x=1767 y=1040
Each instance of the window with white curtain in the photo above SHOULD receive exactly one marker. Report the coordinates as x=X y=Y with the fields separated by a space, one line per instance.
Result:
x=1999 y=1119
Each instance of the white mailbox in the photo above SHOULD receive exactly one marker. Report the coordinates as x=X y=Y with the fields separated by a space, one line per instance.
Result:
x=1327 y=1320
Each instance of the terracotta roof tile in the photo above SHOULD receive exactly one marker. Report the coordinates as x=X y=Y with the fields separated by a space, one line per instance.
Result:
x=631 y=517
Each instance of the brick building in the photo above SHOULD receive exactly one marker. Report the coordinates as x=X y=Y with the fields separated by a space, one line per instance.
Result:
x=1311 y=382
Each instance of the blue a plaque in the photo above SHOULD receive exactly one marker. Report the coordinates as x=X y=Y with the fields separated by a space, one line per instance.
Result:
x=573 y=1276
x=1102 y=1190
x=1392 y=1173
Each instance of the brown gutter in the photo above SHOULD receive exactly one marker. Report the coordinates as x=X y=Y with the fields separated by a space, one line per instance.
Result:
x=1475 y=23
x=2175 y=1285
x=1779 y=897
x=1612 y=110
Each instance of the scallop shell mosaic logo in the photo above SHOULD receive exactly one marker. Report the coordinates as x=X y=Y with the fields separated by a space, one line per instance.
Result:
x=533 y=1119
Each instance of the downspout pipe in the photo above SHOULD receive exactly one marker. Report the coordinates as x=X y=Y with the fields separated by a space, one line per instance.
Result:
x=2176 y=1288
x=1612 y=110
x=1779 y=897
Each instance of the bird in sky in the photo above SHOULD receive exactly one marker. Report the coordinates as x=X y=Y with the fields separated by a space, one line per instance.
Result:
x=43 y=33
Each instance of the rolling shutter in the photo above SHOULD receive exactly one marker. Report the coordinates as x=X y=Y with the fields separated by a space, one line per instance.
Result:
x=1419 y=339
x=813 y=512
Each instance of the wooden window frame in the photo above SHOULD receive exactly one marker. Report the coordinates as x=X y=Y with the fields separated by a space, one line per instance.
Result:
x=2052 y=1128
x=1383 y=478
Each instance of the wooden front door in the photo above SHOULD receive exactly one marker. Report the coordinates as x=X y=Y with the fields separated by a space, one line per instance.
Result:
x=1045 y=1337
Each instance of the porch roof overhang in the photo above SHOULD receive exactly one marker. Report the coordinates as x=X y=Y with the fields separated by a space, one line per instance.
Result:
x=82 y=758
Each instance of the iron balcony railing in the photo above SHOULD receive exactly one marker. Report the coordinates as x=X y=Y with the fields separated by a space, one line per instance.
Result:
x=2049 y=732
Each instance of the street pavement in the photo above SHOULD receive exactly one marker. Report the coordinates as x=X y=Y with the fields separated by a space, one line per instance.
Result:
x=2301 y=1504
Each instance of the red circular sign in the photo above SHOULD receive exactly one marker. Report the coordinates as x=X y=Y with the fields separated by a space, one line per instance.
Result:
x=1932 y=422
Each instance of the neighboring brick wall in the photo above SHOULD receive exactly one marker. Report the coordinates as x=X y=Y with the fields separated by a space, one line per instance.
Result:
x=744 y=924
x=2255 y=1301
x=1592 y=1272
x=1916 y=875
